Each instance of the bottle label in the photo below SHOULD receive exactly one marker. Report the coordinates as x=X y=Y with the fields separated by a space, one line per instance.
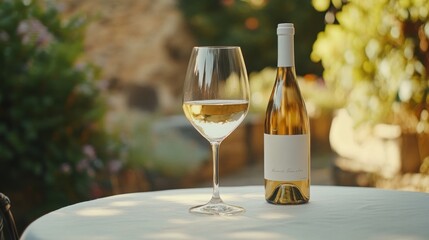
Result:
x=286 y=157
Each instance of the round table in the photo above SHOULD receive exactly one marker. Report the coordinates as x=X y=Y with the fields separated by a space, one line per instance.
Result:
x=332 y=213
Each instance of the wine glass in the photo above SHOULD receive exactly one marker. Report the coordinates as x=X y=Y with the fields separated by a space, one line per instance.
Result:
x=216 y=100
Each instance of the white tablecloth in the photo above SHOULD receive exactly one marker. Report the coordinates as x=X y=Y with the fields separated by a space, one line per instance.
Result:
x=333 y=213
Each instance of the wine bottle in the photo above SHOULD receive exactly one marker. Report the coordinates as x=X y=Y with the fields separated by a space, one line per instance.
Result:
x=286 y=131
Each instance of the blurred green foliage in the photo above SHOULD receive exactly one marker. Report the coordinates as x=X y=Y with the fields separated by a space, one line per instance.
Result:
x=52 y=141
x=252 y=24
x=318 y=98
x=375 y=56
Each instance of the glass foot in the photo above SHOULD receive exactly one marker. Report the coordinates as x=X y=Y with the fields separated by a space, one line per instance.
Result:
x=217 y=207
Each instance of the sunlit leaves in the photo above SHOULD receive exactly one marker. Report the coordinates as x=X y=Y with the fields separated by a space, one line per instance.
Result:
x=376 y=55
x=321 y=5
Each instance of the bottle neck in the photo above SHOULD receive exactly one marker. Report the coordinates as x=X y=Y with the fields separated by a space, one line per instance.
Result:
x=285 y=51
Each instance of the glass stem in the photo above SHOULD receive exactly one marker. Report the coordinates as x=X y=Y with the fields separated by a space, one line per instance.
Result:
x=215 y=152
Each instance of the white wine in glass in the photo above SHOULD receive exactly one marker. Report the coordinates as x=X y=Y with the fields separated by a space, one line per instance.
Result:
x=215 y=101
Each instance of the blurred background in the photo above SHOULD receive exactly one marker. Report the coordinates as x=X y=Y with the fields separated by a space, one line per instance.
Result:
x=90 y=94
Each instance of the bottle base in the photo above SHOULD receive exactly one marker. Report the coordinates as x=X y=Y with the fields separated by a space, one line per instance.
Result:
x=286 y=194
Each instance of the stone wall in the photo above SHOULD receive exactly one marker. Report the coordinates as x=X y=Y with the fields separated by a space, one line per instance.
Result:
x=142 y=47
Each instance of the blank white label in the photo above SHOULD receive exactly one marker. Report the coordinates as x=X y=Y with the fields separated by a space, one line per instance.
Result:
x=286 y=157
